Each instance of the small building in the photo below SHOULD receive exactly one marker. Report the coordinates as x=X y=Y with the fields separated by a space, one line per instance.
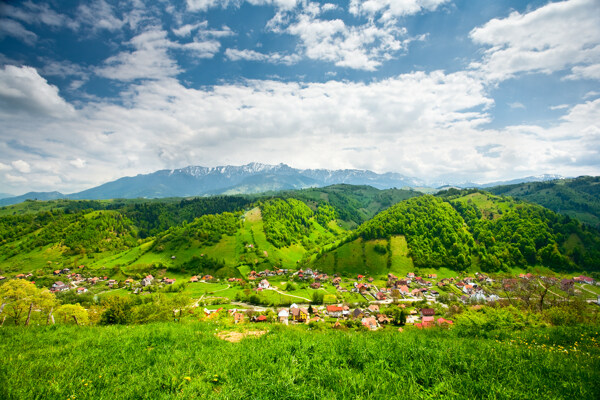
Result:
x=427 y=312
x=264 y=284
x=81 y=290
x=299 y=314
x=194 y=279
x=283 y=315
x=334 y=311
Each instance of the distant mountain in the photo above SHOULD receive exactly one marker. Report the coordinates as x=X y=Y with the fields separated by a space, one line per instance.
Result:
x=5 y=195
x=31 y=196
x=250 y=178
x=536 y=178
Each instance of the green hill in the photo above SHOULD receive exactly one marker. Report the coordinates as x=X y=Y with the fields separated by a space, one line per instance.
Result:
x=578 y=198
x=399 y=231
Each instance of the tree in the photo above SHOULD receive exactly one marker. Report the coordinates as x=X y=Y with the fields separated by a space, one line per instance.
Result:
x=117 y=310
x=19 y=296
x=399 y=316
x=72 y=314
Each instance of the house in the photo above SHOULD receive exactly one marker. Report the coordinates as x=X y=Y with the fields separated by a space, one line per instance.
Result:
x=59 y=287
x=334 y=311
x=374 y=308
x=432 y=276
x=427 y=320
x=370 y=279
x=260 y=318
x=207 y=278
x=2 y=278
x=382 y=319
x=81 y=290
x=57 y=272
x=477 y=297
x=264 y=284
x=112 y=283
x=299 y=314
x=403 y=289
x=128 y=281
x=337 y=281
x=345 y=311
x=358 y=313
x=567 y=285
x=238 y=318
x=444 y=322
x=20 y=276
x=147 y=281
x=410 y=275
x=380 y=296
x=370 y=323
x=169 y=281
x=427 y=312
x=359 y=277
x=434 y=293
x=283 y=315
x=194 y=279
x=315 y=285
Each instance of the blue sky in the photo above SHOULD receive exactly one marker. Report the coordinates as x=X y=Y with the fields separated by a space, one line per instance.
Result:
x=437 y=89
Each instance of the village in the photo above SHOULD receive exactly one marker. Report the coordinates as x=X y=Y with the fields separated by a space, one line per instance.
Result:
x=361 y=301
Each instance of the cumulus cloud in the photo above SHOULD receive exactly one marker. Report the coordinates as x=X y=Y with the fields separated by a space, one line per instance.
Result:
x=390 y=9
x=358 y=47
x=21 y=166
x=555 y=37
x=203 y=5
x=23 y=90
x=151 y=58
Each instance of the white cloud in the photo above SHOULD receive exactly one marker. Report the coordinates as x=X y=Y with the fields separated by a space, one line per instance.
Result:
x=4 y=167
x=37 y=13
x=151 y=59
x=516 y=104
x=252 y=55
x=8 y=27
x=78 y=163
x=21 y=166
x=15 y=179
x=23 y=90
x=555 y=37
x=99 y=15
x=358 y=47
x=203 y=5
x=559 y=107
x=390 y=9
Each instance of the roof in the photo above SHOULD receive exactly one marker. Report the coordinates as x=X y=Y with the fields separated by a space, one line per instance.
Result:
x=428 y=311
x=334 y=308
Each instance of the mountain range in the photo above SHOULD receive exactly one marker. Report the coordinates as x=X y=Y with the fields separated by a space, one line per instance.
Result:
x=250 y=178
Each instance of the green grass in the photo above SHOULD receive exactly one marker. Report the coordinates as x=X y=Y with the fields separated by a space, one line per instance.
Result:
x=187 y=361
x=401 y=263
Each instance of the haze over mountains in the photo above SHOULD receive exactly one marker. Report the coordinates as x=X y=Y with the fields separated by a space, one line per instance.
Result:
x=249 y=178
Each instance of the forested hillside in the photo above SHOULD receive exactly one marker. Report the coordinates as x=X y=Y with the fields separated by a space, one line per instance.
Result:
x=578 y=198
x=228 y=236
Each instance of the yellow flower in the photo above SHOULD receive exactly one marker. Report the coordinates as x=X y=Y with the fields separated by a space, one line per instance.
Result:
x=187 y=378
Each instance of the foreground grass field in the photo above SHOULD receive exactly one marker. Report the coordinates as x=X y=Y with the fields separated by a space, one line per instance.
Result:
x=189 y=361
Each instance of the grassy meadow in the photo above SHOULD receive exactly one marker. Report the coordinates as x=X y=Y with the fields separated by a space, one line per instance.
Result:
x=189 y=361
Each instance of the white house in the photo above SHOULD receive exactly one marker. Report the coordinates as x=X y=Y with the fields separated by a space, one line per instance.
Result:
x=264 y=284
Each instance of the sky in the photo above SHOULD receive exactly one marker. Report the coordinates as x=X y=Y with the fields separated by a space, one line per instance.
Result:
x=454 y=90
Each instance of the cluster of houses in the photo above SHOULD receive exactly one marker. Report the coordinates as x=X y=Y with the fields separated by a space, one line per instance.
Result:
x=370 y=317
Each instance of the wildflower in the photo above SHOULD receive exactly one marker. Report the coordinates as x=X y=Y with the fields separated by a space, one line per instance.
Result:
x=187 y=378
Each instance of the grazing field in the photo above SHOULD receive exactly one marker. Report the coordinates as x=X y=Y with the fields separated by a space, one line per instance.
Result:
x=189 y=360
